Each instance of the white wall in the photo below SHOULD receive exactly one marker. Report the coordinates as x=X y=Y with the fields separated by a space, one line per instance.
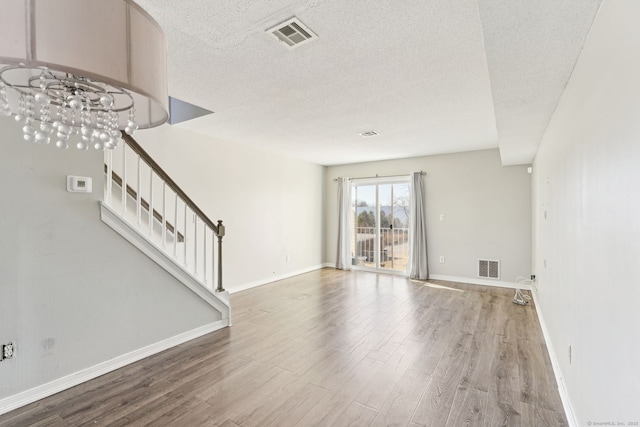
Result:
x=271 y=205
x=73 y=293
x=587 y=180
x=486 y=207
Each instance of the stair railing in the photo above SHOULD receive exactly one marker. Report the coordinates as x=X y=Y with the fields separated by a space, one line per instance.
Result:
x=181 y=232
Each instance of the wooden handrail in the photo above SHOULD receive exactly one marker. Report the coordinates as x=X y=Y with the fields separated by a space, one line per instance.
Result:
x=134 y=194
x=167 y=179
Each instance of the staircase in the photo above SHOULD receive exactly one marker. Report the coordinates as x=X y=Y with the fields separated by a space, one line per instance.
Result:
x=144 y=205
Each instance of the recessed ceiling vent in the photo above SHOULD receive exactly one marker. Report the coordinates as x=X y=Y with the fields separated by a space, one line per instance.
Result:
x=292 y=33
x=488 y=269
x=369 y=133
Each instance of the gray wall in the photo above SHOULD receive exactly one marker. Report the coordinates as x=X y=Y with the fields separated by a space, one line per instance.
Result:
x=73 y=293
x=271 y=204
x=487 y=210
x=587 y=247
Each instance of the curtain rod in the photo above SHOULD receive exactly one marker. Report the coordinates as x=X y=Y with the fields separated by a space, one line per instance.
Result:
x=378 y=176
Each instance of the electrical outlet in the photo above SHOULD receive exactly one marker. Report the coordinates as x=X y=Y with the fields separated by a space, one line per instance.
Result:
x=441 y=260
x=8 y=351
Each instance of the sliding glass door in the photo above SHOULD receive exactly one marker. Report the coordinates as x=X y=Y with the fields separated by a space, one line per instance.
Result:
x=380 y=227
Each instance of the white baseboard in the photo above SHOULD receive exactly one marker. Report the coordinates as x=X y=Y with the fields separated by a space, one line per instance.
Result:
x=40 y=392
x=272 y=279
x=564 y=395
x=457 y=279
x=478 y=281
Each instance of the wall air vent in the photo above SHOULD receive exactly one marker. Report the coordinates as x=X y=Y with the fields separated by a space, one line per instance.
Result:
x=369 y=133
x=488 y=269
x=292 y=33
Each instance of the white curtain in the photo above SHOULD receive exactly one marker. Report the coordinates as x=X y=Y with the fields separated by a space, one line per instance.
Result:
x=343 y=259
x=417 y=267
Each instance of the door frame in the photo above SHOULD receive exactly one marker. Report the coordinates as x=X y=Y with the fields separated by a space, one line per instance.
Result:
x=355 y=182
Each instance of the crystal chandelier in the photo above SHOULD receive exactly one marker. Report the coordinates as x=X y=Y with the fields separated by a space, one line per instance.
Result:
x=82 y=83
x=55 y=106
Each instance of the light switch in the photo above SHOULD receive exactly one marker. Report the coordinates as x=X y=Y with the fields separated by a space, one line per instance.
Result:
x=441 y=217
x=79 y=184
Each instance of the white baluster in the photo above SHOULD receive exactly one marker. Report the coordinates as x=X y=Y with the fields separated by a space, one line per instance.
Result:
x=124 y=179
x=175 y=227
x=151 y=202
x=186 y=263
x=164 y=215
x=204 y=245
x=195 y=245
x=139 y=193
x=109 y=176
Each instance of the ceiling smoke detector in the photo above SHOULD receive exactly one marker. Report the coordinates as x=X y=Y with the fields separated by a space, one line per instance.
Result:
x=292 y=33
x=369 y=133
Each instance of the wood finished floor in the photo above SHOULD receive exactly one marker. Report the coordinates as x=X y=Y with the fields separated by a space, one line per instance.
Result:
x=330 y=348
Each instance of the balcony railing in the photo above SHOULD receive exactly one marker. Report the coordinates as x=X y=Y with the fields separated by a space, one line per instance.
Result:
x=393 y=245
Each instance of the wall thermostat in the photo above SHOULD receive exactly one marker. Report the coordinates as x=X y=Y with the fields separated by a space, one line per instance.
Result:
x=79 y=184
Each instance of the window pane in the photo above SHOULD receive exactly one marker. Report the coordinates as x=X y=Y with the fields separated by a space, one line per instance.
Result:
x=365 y=224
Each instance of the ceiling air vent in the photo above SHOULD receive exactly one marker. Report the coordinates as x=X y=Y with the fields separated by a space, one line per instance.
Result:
x=488 y=269
x=369 y=133
x=292 y=33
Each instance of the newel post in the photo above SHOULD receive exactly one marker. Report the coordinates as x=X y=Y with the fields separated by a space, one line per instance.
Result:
x=220 y=234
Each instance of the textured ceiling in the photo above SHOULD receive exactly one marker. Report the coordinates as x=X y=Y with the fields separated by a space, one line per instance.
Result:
x=531 y=47
x=429 y=76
